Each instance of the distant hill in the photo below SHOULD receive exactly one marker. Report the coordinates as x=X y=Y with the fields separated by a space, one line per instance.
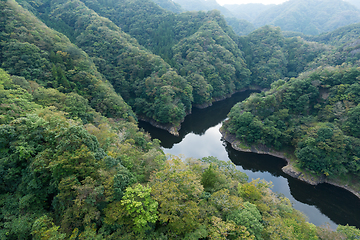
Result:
x=356 y=3
x=169 y=5
x=309 y=16
x=239 y=25
x=249 y=12
x=340 y=36
x=203 y=5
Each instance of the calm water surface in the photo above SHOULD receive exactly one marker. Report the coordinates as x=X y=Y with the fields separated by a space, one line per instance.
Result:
x=200 y=137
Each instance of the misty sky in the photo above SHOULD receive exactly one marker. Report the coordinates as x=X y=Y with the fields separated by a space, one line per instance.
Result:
x=222 y=2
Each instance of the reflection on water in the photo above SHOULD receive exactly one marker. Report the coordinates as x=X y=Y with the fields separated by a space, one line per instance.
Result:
x=198 y=121
x=337 y=204
x=200 y=137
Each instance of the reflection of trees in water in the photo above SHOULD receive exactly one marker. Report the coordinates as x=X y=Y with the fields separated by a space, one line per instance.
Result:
x=256 y=162
x=341 y=206
x=198 y=121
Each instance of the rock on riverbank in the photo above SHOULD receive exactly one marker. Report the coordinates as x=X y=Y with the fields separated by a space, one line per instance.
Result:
x=289 y=169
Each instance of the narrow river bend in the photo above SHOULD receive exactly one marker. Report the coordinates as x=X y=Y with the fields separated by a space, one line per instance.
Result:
x=200 y=137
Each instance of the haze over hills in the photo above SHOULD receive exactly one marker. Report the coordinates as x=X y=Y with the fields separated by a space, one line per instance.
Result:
x=305 y=16
x=356 y=3
x=248 y=11
x=169 y=5
x=203 y=5
x=309 y=16
x=240 y=26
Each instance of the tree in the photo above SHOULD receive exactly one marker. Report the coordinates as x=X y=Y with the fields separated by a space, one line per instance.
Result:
x=140 y=208
x=177 y=190
x=250 y=217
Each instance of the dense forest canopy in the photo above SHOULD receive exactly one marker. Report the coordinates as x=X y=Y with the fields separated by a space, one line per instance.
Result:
x=75 y=165
x=315 y=113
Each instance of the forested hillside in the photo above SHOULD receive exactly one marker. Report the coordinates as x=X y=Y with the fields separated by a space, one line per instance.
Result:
x=74 y=164
x=239 y=26
x=270 y=56
x=340 y=36
x=315 y=114
x=303 y=16
x=63 y=179
x=146 y=81
x=309 y=16
x=32 y=50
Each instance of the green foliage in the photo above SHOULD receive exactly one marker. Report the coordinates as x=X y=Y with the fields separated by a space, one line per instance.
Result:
x=270 y=56
x=314 y=114
x=140 y=208
x=350 y=232
x=68 y=171
x=51 y=165
x=32 y=50
x=210 y=53
x=44 y=229
x=249 y=217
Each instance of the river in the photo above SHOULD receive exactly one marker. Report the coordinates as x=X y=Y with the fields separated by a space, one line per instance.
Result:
x=200 y=137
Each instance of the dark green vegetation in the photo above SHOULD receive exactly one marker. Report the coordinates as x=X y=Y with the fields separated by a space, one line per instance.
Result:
x=270 y=56
x=201 y=58
x=73 y=163
x=63 y=179
x=30 y=49
x=317 y=114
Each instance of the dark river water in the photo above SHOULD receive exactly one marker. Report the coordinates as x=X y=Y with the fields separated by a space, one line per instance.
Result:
x=200 y=137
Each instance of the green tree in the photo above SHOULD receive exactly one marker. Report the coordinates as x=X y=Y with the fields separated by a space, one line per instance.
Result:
x=140 y=208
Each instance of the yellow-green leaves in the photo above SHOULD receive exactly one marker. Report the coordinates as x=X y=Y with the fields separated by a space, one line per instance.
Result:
x=140 y=208
x=177 y=189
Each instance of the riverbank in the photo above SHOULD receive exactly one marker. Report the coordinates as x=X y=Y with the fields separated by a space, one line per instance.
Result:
x=290 y=169
x=251 y=88
x=174 y=129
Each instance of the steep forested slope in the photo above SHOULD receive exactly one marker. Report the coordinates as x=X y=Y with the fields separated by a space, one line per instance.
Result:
x=221 y=71
x=316 y=114
x=339 y=36
x=61 y=179
x=211 y=56
x=69 y=171
x=240 y=26
x=55 y=169
x=145 y=80
x=270 y=56
x=32 y=50
x=309 y=16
